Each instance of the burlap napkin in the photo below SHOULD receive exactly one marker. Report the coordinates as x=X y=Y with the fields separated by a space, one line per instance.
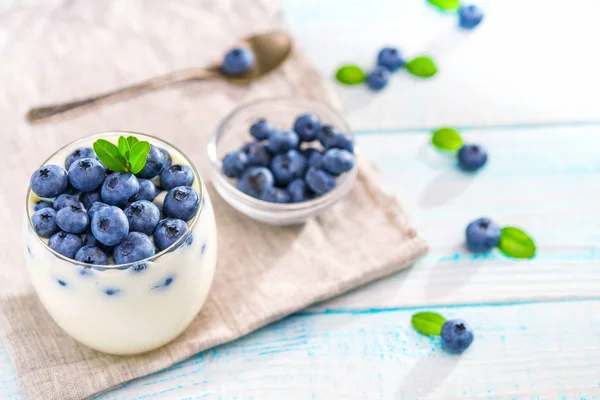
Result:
x=58 y=50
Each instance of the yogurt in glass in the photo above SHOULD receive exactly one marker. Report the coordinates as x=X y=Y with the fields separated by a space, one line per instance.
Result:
x=128 y=308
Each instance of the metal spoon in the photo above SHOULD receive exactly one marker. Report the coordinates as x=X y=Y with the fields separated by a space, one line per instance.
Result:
x=270 y=51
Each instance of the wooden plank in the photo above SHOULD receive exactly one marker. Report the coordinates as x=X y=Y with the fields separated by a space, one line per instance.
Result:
x=528 y=62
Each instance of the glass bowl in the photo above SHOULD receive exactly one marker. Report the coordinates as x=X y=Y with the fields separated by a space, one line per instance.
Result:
x=127 y=308
x=233 y=133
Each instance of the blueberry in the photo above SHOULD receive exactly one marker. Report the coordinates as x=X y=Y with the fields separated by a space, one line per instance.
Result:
x=255 y=181
x=176 y=175
x=167 y=161
x=238 y=61
x=143 y=216
x=65 y=200
x=471 y=157
x=65 y=243
x=89 y=198
x=70 y=189
x=44 y=222
x=378 y=78
x=262 y=129
x=77 y=154
x=326 y=135
x=469 y=16
x=341 y=141
x=315 y=158
x=457 y=336
x=282 y=141
x=168 y=232
x=86 y=174
x=43 y=204
x=110 y=225
x=482 y=235
x=319 y=181
x=90 y=240
x=275 y=195
x=72 y=219
x=298 y=191
x=97 y=205
x=390 y=58
x=307 y=126
x=91 y=255
x=288 y=166
x=49 y=181
x=135 y=247
x=155 y=163
x=257 y=154
x=148 y=190
x=119 y=188
x=338 y=161
x=181 y=202
x=234 y=164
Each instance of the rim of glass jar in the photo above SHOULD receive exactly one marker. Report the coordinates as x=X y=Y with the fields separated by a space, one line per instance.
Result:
x=330 y=197
x=172 y=247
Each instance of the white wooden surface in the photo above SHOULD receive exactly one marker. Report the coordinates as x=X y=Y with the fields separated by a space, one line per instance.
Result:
x=537 y=323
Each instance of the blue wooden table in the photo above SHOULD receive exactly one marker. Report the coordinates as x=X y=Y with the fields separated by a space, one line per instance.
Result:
x=520 y=89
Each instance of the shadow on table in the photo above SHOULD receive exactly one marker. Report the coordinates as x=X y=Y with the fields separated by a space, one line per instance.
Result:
x=425 y=376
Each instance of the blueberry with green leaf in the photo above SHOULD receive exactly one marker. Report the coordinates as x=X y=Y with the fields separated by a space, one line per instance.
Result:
x=456 y=335
x=471 y=157
x=130 y=155
x=483 y=235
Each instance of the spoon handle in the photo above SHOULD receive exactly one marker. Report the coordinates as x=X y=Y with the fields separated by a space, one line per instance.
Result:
x=77 y=107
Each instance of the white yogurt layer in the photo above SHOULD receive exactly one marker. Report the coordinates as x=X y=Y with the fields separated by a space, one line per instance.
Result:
x=129 y=310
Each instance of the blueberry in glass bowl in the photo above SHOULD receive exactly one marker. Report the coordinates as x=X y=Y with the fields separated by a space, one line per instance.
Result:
x=303 y=164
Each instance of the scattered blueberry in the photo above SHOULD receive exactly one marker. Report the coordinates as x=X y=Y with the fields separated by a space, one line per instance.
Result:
x=469 y=16
x=275 y=195
x=49 y=181
x=110 y=225
x=91 y=255
x=65 y=243
x=89 y=198
x=167 y=162
x=155 y=162
x=482 y=235
x=319 y=181
x=341 y=141
x=43 y=204
x=135 y=247
x=390 y=58
x=111 y=291
x=471 y=157
x=457 y=336
x=288 y=166
x=148 y=190
x=298 y=191
x=72 y=219
x=262 y=129
x=238 y=61
x=307 y=126
x=378 y=78
x=143 y=216
x=119 y=188
x=66 y=200
x=282 y=141
x=257 y=154
x=61 y=282
x=181 y=202
x=176 y=175
x=234 y=164
x=255 y=181
x=97 y=205
x=44 y=222
x=338 y=161
x=168 y=232
x=86 y=174
x=77 y=154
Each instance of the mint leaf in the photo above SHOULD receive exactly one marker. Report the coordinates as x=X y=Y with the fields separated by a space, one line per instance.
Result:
x=123 y=147
x=447 y=139
x=422 y=66
x=132 y=140
x=515 y=243
x=428 y=323
x=446 y=5
x=109 y=155
x=350 y=75
x=138 y=155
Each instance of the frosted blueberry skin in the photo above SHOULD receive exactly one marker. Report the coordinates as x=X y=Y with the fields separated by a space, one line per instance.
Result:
x=143 y=216
x=65 y=243
x=319 y=181
x=390 y=58
x=234 y=164
x=86 y=174
x=482 y=235
x=110 y=225
x=65 y=200
x=469 y=17
x=72 y=219
x=148 y=190
x=91 y=255
x=238 y=61
x=119 y=189
x=168 y=232
x=49 y=181
x=77 y=154
x=262 y=129
x=181 y=202
x=89 y=198
x=472 y=157
x=307 y=126
x=378 y=78
x=155 y=163
x=456 y=335
x=255 y=181
x=176 y=175
x=338 y=161
x=44 y=222
x=135 y=247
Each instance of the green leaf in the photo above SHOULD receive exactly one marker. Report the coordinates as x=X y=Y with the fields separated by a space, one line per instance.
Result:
x=422 y=66
x=132 y=140
x=109 y=155
x=138 y=155
x=428 y=323
x=123 y=147
x=446 y=5
x=447 y=139
x=515 y=243
x=350 y=75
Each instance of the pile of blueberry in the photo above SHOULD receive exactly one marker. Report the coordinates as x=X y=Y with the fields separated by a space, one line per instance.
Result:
x=97 y=216
x=290 y=166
